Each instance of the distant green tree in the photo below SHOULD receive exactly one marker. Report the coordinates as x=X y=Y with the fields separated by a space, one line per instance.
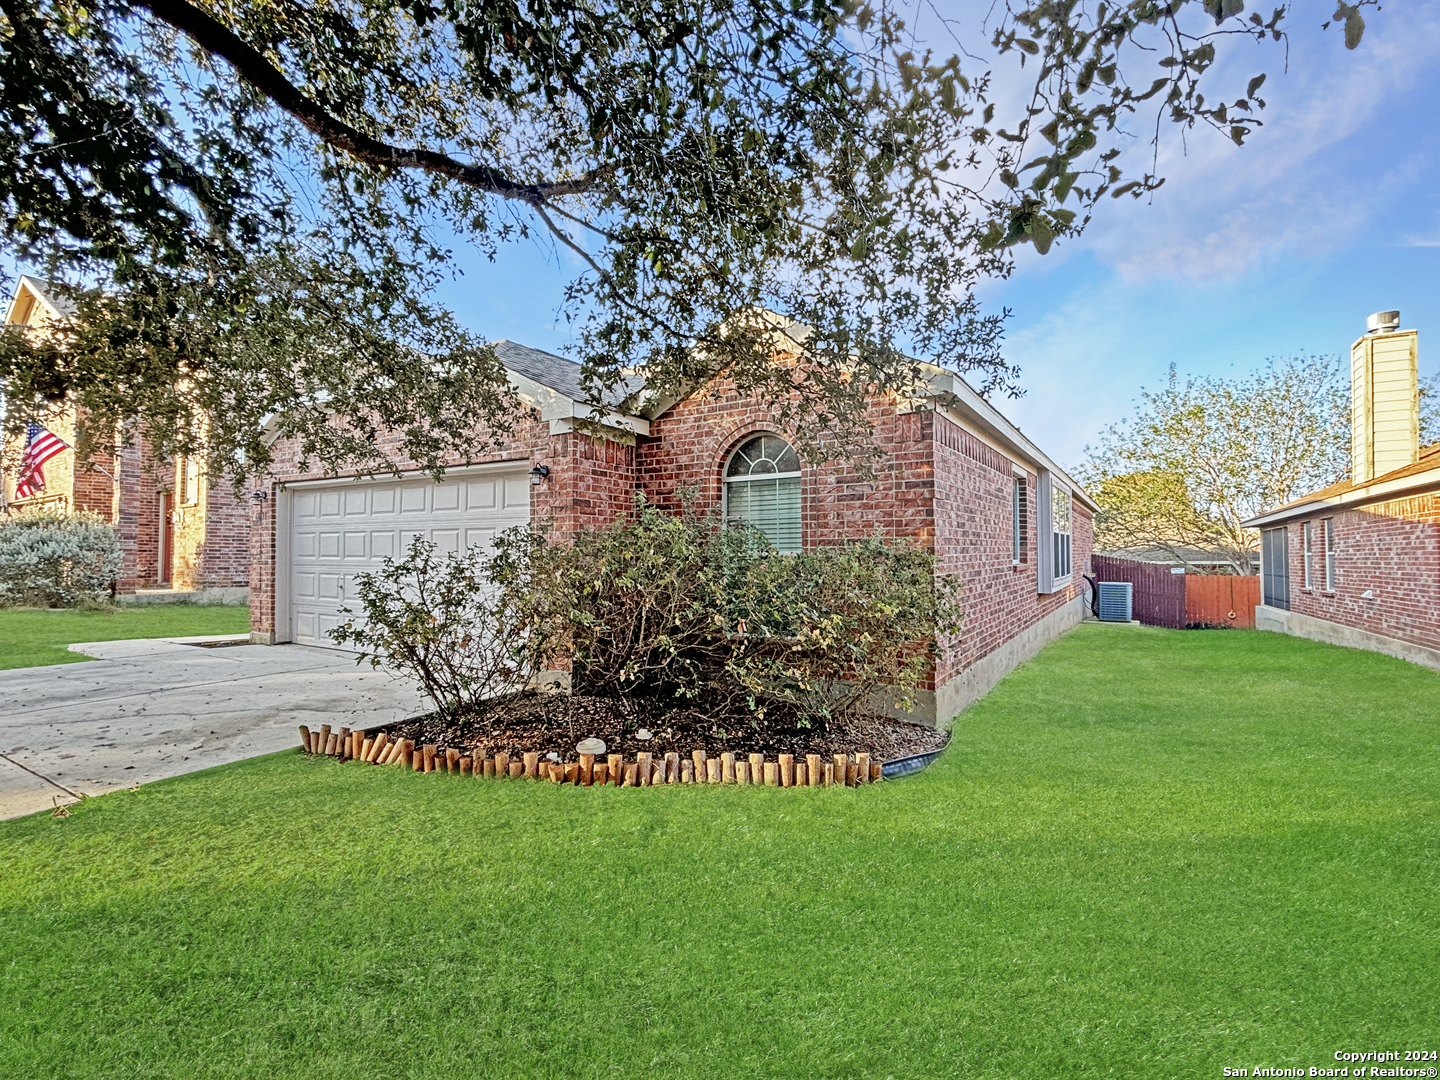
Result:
x=1199 y=457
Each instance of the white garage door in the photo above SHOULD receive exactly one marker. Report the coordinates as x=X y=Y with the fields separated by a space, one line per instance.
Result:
x=338 y=532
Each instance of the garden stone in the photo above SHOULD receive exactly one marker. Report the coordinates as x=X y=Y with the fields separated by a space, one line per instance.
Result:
x=644 y=735
x=590 y=746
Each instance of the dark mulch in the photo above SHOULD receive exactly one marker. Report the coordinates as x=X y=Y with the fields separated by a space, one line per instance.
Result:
x=556 y=722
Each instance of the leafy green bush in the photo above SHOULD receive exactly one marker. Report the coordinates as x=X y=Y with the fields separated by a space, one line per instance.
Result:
x=49 y=559
x=446 y=624
x=676 y=606
x=660 y=606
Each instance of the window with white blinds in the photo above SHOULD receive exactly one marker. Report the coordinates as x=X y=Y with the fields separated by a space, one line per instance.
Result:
x=762 y=489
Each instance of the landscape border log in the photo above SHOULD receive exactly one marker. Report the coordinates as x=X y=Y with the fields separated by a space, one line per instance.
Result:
x=532 y=765
x=877 y=771
x=727 y=768
x=415 y=759
x=587 y=769
x=829 y=774
x=572 y=773
x=672 y=767
x=304 y=738
x=379 y=745
x=365 y=748
x=742 y=772
x=323 y=743
x=467 y=763
x=502 y=764
x=862 y=768
x=787 y=770
x=601 y=774
x=517 y=770
x=342 y=748
x=812 y=769
x=772 y=774
x=712 y=770
x=757 y=768
x=850 y=774
x=802 y=775
x=841 y=760
x=630 y=777
x=491 y=768
x=698 y=757
x=617 y=768
x=452 y=761
x=687 y=771
x=642 y=767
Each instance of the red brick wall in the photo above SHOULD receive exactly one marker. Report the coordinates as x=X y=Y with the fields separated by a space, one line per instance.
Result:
x=938 y=486
x=142 y=477
x=1390 y=549
x=592 y=479
x=973 y=528
x=222 y=556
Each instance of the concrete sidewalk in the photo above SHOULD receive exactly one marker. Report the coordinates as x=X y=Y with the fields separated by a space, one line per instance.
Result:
x=144 y=710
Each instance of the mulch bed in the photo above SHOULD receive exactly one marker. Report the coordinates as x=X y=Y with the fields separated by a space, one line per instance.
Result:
x=556 y=722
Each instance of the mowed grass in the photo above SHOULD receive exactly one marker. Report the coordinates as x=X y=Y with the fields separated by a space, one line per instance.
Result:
x=1146 y=854
x=33 y=637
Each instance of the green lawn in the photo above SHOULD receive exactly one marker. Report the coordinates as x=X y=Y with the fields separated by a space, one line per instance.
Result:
x=1147 y=854
x=32 y=638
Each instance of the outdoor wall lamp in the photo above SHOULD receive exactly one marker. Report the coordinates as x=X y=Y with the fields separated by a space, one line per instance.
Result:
x=538 y=473
x=259 y=496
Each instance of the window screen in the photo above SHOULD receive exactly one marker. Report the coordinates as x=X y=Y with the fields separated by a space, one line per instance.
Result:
x=1018 y=522
x=762 y=489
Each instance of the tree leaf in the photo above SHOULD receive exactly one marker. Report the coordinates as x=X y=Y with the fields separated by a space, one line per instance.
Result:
x=1354 y=29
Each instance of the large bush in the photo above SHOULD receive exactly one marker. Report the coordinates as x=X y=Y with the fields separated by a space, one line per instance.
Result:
x=661 y=606
x=48 y=559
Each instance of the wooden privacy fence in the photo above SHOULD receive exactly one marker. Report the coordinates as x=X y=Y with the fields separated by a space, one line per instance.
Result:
x=1221 y=600
x=1181 y=601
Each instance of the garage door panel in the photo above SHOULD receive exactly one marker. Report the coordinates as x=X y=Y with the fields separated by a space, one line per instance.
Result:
x=352 y=529
x=517 y=494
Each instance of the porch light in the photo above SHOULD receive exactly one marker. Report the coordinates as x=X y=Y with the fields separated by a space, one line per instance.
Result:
x=538 y=473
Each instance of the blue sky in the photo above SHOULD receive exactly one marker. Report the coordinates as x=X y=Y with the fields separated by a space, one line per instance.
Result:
x=1328 y=213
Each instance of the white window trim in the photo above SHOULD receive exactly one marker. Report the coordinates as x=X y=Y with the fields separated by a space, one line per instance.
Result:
x=1308 y=549
x=1046 y=486
x=726 y=480
x=1328 y=537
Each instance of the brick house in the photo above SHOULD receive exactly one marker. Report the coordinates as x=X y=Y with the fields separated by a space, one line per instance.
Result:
x=1358 y=563
x=177 y=532
x=958 y=479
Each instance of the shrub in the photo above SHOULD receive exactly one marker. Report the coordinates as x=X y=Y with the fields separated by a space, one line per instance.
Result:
x=49 y=559
x=676 y=606
x=660 y=606
x=446 y=624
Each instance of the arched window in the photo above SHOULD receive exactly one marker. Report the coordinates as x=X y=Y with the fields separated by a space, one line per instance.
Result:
x=762 y=488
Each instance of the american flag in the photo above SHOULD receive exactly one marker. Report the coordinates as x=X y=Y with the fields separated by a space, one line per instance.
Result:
x=40 y=447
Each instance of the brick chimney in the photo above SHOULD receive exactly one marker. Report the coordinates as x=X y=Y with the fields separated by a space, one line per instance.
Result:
x=1384 y=398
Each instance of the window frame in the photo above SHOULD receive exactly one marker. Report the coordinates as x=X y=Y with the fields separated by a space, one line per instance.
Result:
x=727 y=480
x=1047 y=538
x=1307 y=553
x=1327 y=537
x=189 y=478
x=1019 y=519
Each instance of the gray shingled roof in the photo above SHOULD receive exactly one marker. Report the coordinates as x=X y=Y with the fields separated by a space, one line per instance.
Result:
x=553 y=371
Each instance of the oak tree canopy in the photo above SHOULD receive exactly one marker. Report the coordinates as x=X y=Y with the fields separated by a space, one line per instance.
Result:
x=251 y=201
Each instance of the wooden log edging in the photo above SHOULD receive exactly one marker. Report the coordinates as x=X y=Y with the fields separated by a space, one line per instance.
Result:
x=375 y=747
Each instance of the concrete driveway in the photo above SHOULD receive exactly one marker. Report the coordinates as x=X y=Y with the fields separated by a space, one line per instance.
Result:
x=144 y=710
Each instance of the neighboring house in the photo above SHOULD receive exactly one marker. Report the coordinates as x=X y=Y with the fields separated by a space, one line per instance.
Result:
x=958 y=479
x=1358 y=563
x=177 y=532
